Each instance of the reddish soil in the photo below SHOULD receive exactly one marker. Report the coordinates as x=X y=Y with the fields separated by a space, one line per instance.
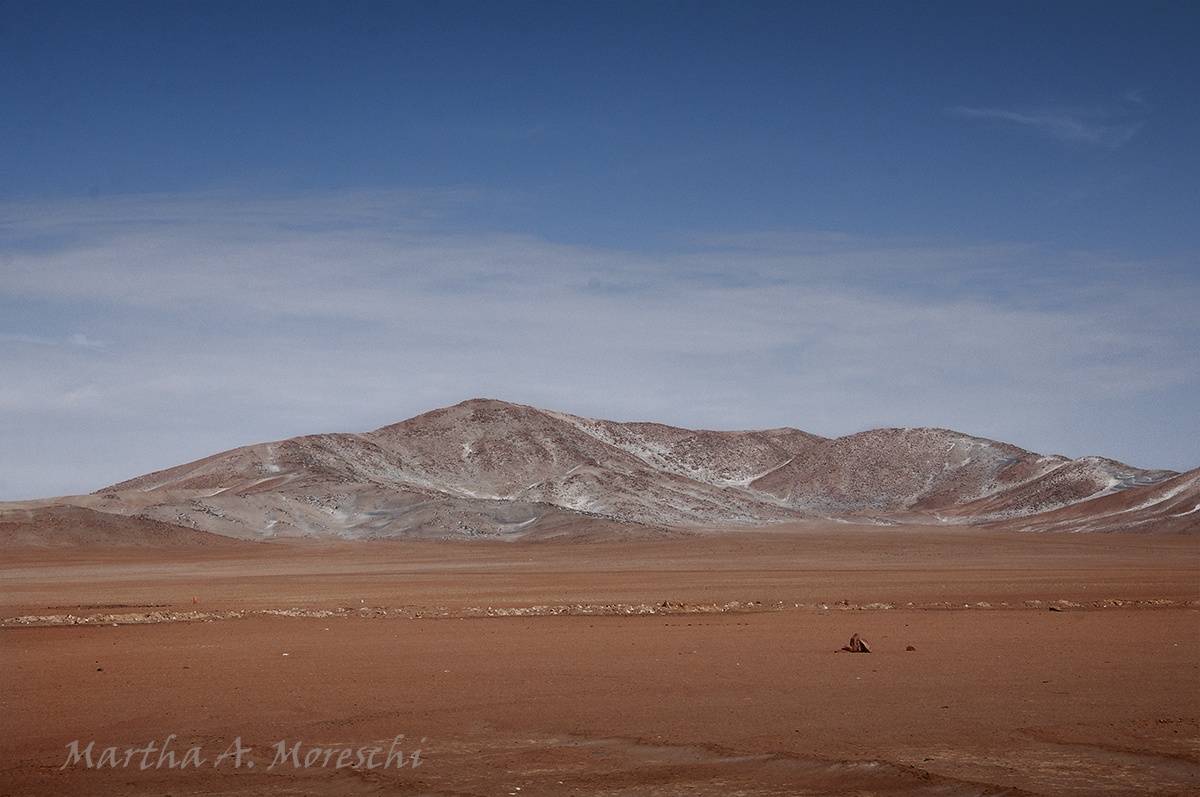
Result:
x=1049 y=664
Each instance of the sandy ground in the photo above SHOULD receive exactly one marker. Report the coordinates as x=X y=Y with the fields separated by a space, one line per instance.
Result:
x=1040 y=664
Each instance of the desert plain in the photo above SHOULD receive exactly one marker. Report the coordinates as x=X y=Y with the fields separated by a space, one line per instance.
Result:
x=598 y=663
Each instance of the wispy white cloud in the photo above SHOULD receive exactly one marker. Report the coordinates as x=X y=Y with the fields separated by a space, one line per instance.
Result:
x=16 y=337
x=76 y=339
x=228 y=322
x=1070 y=125
x=1134 y=96
x=80 y=339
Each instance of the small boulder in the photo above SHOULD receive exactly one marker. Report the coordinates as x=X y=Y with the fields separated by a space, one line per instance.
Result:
x=857 y=645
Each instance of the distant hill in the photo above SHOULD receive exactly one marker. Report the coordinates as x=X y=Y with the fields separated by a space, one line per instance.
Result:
x=491 y=468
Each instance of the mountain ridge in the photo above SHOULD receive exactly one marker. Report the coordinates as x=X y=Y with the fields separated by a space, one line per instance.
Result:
x=486 y=467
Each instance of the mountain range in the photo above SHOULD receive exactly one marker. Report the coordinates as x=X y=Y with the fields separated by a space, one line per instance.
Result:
x=495 y=469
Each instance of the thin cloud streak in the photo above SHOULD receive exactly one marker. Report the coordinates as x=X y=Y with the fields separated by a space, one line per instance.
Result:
x=1070 y=126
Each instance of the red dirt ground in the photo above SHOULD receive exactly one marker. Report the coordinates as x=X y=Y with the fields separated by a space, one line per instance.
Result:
x=582 y=682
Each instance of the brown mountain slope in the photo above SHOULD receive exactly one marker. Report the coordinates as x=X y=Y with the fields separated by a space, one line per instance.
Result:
x=1171 y=506
x=495 y=468
x=1067 y=484
x=894 y=469
x=77 y=526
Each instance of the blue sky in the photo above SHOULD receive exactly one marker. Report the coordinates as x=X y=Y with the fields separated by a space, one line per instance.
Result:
x=223 y=223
